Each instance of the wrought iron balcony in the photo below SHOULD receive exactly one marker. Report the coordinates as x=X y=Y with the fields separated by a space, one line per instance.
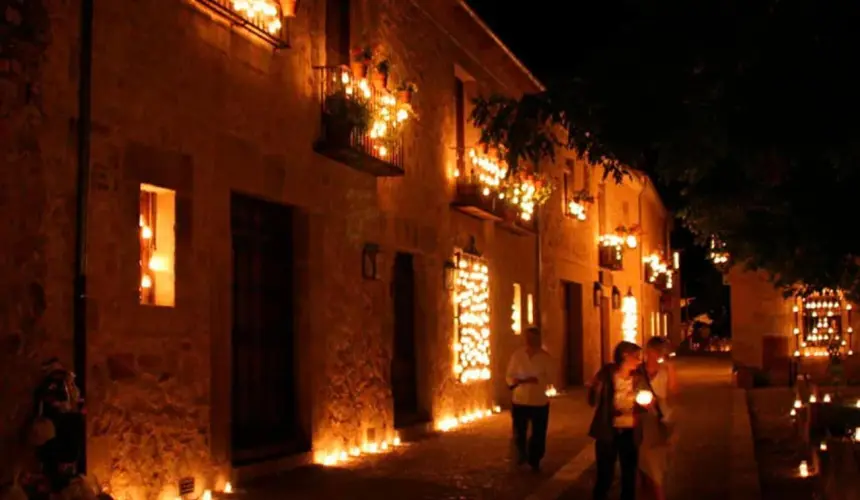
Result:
x=264 y=21
x=611 y=256
x=355 y=114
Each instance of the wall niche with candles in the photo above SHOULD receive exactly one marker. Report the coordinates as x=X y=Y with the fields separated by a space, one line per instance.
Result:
x=157 y=220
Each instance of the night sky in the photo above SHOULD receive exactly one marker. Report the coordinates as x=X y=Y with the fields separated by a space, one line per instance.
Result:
x=551 y=38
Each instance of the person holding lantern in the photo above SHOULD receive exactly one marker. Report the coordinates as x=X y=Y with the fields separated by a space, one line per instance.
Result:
x=619 y=394
x=656 y=421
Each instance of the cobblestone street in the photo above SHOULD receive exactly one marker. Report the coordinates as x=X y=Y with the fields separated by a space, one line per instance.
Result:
x=714 y=458
x=471 y=462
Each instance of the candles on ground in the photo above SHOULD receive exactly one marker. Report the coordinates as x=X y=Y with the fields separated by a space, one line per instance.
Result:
x=823 y=446
x=793 y=412
x=813 y=399
x=826 y=398
x=797 y=403
x=803 y=469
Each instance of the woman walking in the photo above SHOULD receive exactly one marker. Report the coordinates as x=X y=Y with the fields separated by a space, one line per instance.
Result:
x=656 y=422
x=613 y=394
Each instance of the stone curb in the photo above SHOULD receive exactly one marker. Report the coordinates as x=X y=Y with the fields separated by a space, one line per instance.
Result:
x=744 y=474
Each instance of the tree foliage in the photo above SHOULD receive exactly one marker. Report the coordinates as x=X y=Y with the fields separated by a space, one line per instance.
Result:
x=749 y=109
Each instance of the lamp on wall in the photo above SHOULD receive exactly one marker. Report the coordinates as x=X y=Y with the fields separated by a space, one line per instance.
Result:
x=370 y=261
x=616 y=298
x=598 y=293
x=449 y=275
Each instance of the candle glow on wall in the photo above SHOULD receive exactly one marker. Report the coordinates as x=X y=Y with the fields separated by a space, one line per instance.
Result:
x=517 y=310
x=630 y=321
x=472 y=302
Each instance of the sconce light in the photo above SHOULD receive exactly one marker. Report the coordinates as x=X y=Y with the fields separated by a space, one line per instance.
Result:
x=370 y=261
x=598 y=293
x=616 y=298
x=449 y=273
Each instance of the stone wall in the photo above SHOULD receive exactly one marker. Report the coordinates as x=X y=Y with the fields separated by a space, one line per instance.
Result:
x=180 y=97
x=37 y=186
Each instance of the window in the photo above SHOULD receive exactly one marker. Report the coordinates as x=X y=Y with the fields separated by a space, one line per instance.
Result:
x=157 y=219
x=517 y=310
x=530 y=309
x=460 y=119
x=338 y=31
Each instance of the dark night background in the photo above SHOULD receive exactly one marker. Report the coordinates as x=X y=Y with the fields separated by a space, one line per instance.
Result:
x=554 y=45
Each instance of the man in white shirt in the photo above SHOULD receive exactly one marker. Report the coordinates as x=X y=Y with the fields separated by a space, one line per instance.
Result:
x=528 y=375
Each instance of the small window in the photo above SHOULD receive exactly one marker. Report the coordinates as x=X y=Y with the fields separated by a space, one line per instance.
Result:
x=530 y=309
x=517 y=310
x=157 y=220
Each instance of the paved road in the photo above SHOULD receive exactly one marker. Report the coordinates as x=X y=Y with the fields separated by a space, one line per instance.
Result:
x=473 y=462
x=705 y=411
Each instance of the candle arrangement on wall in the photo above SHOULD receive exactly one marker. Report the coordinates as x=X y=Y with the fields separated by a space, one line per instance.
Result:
x=472 y=318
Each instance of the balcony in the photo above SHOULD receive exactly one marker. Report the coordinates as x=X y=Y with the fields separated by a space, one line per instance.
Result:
x=264 y=18
x=658 y=272
x=518 y=221
x=478 y=177
x=611 y=252
x=361 y=123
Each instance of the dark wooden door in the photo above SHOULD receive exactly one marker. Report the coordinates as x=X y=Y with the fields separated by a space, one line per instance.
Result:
x=404 y=369
x=265 y=418
x=574 y=332
x=605 y=338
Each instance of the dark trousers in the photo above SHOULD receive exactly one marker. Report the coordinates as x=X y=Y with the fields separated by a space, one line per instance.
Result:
x=621 y=448
x=539 y=418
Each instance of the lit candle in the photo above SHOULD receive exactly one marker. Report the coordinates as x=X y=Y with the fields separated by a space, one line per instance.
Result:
x=644 y=398
x=797 y=403
x=823 y=446
x=228 y=488
x=793 y=412
x=826 y=398
x=804 y=469
x=812 y=398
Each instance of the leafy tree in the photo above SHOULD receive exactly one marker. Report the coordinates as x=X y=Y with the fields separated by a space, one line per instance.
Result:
x=748 y=108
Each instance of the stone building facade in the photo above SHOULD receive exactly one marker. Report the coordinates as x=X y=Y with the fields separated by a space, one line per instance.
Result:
x=276 y=322
x=768 y=331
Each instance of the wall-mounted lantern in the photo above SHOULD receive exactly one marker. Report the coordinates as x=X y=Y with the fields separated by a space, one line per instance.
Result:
x=449 y=275
x=598 y=293
x=370 y=261
x=616 y=298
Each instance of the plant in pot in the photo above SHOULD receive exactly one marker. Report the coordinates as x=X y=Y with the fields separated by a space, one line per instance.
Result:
x=361 y=60
x=381 y=72
x=405 y=91
x=290 y=7
x=344 y=114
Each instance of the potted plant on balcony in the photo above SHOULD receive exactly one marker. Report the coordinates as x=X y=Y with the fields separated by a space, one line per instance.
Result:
x=381 y=72
x=405 y=92
x=361 y=61
x=344 y=114
x=290 y=7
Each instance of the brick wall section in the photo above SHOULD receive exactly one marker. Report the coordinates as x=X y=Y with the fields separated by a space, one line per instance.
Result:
x=221 y=112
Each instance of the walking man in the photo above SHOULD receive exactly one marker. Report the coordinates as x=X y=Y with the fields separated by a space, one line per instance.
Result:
x=528 y=375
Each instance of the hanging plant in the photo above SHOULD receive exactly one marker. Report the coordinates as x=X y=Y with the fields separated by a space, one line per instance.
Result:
x=290 y=7
x=582 y=196
x=361 y=61
x=405 y=91
x=381 y=72
x=526 y=189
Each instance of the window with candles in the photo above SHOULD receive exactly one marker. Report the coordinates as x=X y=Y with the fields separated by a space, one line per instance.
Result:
x=157 y=218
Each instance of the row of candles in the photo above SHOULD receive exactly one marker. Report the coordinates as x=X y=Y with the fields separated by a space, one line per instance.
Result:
x=803 y=469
